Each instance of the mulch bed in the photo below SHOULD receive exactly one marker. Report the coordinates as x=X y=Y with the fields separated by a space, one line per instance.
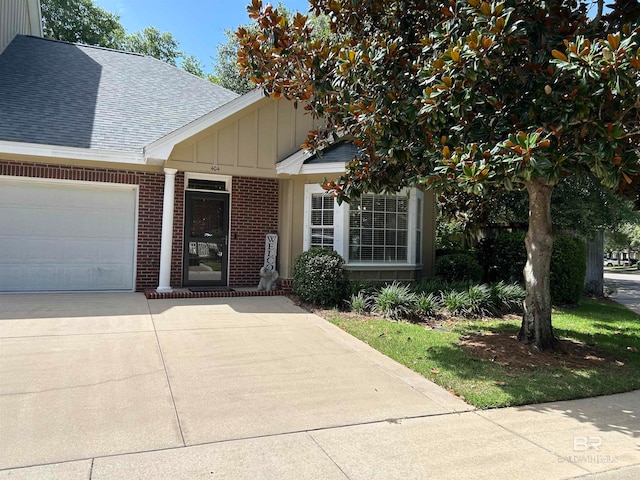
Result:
x=503 y=348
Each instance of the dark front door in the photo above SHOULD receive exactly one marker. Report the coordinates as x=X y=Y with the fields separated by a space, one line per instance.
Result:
x=205 y=238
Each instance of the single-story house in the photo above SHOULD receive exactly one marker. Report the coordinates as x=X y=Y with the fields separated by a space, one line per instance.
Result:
x=119 y=172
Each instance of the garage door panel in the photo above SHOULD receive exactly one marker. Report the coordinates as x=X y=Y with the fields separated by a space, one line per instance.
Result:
x=73 y=276
x=109 y=277
x=12 y=251
x=41 y=277
x=106 y=251
x=12 y=275
x=43 y=250
x=66 y=236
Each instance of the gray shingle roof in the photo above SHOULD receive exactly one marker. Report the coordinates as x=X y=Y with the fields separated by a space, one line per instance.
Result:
x=72 y=95
x=340 y=152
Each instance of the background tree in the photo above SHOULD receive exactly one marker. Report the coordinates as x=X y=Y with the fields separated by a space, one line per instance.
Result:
x=192 y=65
x=226 y=68
x=157 y=44
x=580 y=205
x=626 y=237
x=464 y=96
x=81 y=21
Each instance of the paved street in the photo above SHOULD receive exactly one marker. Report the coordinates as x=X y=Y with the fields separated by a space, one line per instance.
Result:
x=627 y=284
x=112 y=386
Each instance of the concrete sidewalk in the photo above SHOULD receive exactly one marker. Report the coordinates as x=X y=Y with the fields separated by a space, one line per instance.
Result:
x=115 y=387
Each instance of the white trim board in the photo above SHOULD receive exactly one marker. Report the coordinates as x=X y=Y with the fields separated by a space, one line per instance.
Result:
x=71 y=153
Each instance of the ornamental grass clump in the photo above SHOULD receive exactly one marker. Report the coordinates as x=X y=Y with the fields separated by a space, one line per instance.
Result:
x=360 y=302
x=507 y=297
x=428 y=304
x=319 y=277
x=480 y=301
x=457 y=303
x=395 y=301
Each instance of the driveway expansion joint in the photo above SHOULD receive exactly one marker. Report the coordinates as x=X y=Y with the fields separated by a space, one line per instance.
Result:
x=166 y=374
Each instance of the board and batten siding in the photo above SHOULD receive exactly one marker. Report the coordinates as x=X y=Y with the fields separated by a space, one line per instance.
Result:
x=18 y=17
x=249 y=143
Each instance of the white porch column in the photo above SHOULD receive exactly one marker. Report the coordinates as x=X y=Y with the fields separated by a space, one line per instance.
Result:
x=166 y=245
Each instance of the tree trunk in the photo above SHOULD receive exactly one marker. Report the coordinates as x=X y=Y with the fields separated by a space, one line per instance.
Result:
x=536 y=327
x=594 y=280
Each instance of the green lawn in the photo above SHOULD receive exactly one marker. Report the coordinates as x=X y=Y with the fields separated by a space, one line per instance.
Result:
x=436 y=355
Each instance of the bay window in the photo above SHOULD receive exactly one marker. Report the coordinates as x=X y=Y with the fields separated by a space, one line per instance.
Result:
x=375 y=230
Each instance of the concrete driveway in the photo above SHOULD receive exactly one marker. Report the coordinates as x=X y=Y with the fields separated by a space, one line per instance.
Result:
x=108 y=387
x=85 y=376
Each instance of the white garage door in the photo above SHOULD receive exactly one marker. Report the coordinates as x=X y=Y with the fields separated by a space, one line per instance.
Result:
x=66 y=236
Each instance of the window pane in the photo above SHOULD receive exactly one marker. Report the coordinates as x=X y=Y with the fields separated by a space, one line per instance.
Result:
x=322 y=220
x=391 y=220
x=402 y=238
x=367 y=219
x=366 y=237
x=378 y=220
x=322 y=237
x=354 y=219
x=382 y=235
x=402 y=221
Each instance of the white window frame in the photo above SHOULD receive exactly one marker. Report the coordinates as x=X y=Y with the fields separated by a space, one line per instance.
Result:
x=210 y=177
x=338 y=218
x=341 y=230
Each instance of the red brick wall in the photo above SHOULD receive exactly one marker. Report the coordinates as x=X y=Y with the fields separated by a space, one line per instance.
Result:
x=151 y=191
x=254 y=213
x=178 y=232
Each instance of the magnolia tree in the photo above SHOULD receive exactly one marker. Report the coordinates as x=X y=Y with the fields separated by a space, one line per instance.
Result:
x=465 y=94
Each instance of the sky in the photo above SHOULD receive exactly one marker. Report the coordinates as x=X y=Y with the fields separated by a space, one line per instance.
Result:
x=198 y=25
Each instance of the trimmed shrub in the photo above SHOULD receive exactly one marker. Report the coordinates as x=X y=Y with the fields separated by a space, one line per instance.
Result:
x=319 y=277
x=502 y=258
x=395 y=301
x=369 y=287
x=568 y=269
x=429 y=285
x=458 y=266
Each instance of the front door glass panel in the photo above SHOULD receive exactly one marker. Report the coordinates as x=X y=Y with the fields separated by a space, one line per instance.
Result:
x=206 y=239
